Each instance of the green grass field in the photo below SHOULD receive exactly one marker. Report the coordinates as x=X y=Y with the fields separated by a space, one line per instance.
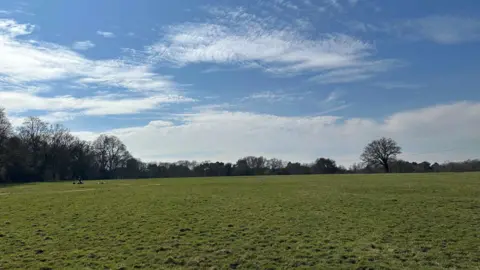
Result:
x=429 y=221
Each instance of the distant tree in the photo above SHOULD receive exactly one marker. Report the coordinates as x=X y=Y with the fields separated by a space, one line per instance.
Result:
x=5 y=126
x=134 y=168
x=5 y=133
x=34 y=134
x=241 y=167
x=38 y=151
x=182 y=168
x=15 y=162
x=324 y=166
x=256 y=164
x=59 y=151
x=274 y=165
x=464 y=166
x=356 y=168
x=187 y=164
x=436 y=167
x=342 y=169
x=82 y=160
x=402 y=166
x=381 y=152
x=297 y=168
x=228 y=169
x=424 y=167
x=111 y=154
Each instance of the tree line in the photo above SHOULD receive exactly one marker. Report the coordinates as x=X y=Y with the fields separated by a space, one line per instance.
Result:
x=38 y=151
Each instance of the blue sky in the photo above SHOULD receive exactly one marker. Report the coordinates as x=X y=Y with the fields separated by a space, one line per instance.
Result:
x=218 y=80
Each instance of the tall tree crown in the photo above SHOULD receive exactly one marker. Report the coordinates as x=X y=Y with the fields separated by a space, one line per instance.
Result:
x=381 y=152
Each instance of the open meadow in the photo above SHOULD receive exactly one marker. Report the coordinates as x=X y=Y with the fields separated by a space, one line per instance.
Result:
x=409 y=221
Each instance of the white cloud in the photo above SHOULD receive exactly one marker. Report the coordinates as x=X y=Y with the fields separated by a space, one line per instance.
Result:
x=105 y=34
x=227 y=136
x=29 y=69
x=83 y=45
x=443 y=29
x=361 y=72
x=240 y=38
x=15 y=102
x=8 y=86
x=11 y=28
x=56 y=117
x=52 y=118
x=26 y=61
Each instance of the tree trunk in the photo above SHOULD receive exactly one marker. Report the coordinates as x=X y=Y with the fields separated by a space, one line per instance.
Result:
x=386 y=167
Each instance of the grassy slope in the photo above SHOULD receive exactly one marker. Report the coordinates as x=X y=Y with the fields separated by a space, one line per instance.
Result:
x=328 y=222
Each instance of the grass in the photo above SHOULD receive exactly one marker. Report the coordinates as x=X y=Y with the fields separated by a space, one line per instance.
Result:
x=428 y=221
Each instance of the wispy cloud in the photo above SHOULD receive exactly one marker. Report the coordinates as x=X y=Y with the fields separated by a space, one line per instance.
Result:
x=443 y=29
x=334 y=3
x=32 y=88
x=18 y=10
x=83 y=45
x=333 y=103
x=56 y=117
x=105 y=34
x=361 y=72
x=94 y=105
x=398 y=85
x=236 y=37
x=286 y=4
x=333 y=96
x=274 y=96
x=213 y=107
x=359 y=26
x=310 y=5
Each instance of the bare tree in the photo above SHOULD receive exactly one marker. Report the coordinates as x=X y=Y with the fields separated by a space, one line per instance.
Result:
x=60 y=143
x=5 y=126
x=381 y=152
x=275 y=165
x=5 y=133
x=82 y=158
x=257 y=164
x=34 y=134
x=111 y=153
